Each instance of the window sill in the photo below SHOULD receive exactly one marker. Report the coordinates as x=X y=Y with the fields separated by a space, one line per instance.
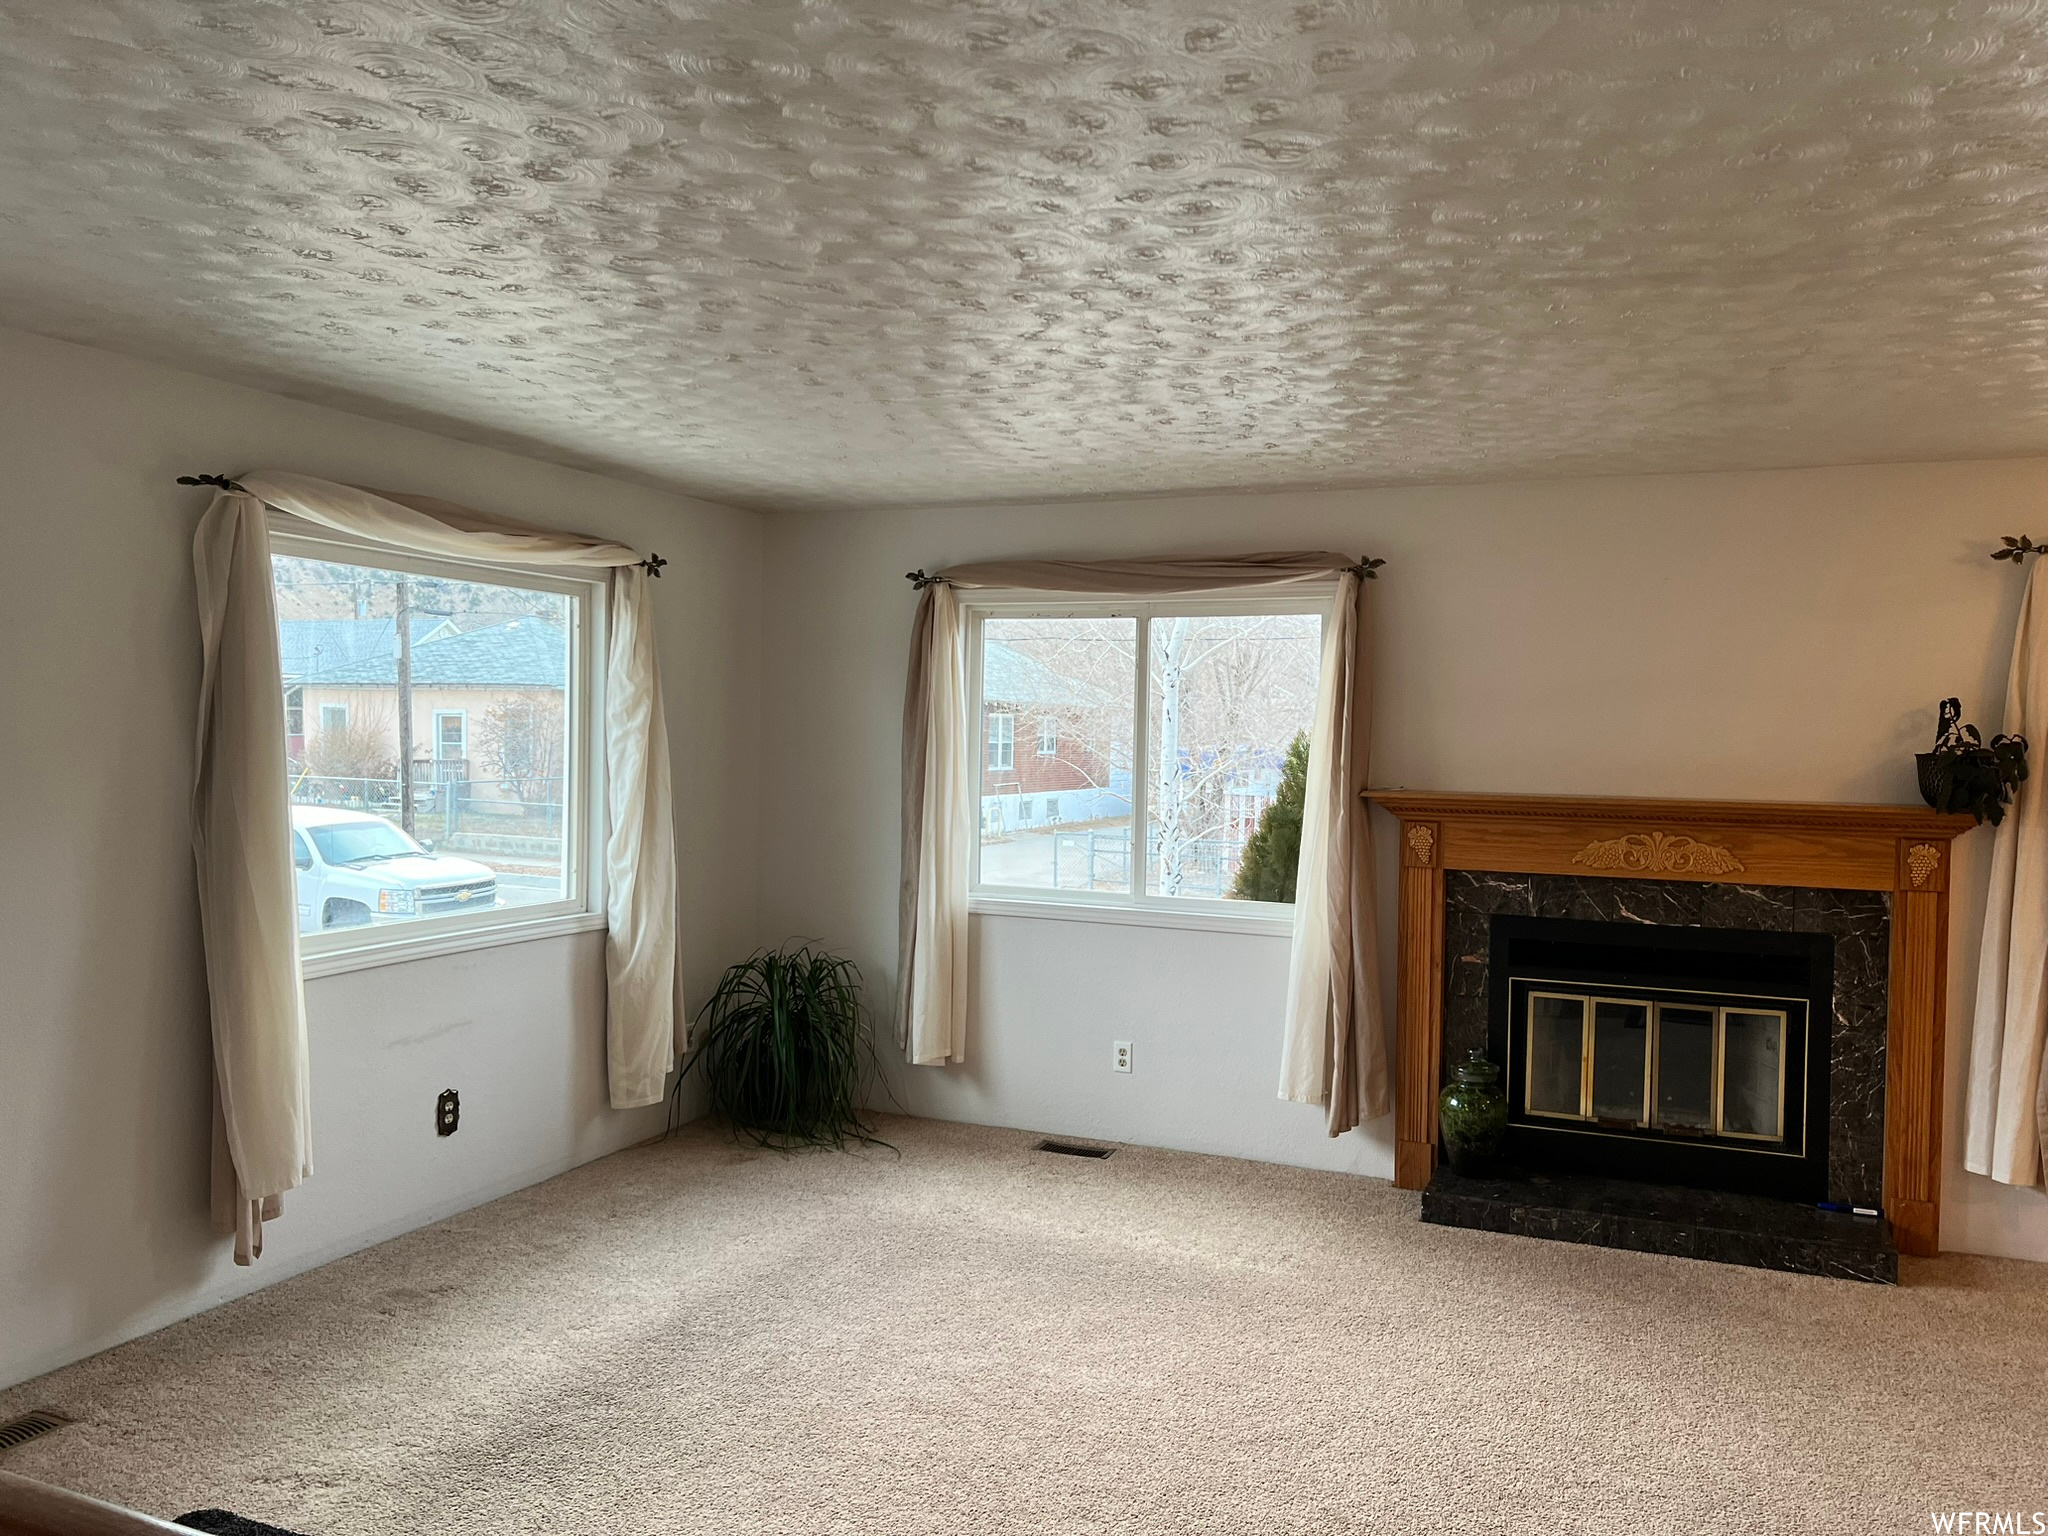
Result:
x=1259 y=925
x=399 y=951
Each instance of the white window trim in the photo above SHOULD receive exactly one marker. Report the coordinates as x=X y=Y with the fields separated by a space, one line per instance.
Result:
x=426 y=946
x=989 y=764
x=1136 y=907
x=1048 y=737
x=353 y=949
x=1262 y=917
x=441 y=741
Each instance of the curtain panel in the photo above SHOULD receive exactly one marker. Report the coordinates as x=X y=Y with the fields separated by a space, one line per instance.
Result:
x=1334 y=1043
x=2006 y=1120
x=248 y=912
x=241 y=820
x=938 y=836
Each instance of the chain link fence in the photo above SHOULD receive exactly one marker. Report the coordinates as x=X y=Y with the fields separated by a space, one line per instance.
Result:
x=1100 y=860
x=522 y=818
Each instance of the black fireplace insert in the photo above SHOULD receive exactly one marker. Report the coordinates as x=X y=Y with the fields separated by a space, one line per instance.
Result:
x=1671 y=1055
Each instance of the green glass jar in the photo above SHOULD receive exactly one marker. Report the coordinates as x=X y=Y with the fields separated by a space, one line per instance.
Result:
x=1474 y=1116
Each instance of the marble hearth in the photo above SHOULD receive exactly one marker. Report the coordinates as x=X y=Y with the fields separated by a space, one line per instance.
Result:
x=1870 y=881
x=1686 y=1223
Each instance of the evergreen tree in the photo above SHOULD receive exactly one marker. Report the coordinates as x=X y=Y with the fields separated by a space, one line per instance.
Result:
x=1266 y=873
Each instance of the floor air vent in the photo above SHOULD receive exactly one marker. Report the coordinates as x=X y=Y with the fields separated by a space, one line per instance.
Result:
x=1074 y=1149
x=20 y=1431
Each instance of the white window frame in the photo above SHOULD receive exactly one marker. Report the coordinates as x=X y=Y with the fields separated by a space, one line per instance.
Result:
x=441 y=741
x=583 y=910
x=988 y=743
x=1048 y=736
x=1136 y=906
x=340 y=709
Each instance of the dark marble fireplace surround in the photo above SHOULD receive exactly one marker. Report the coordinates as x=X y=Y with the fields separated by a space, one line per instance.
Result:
x=1859 y=922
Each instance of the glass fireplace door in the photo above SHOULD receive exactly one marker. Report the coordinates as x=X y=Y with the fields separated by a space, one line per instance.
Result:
x=1621 y=1061
x=1558 y=1056
x=1684 y=1069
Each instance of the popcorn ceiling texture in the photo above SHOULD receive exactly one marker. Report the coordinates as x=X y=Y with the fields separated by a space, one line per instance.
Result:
x=884 y=251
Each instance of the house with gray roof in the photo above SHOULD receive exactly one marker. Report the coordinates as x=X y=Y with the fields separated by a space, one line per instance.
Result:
x=487 y=707
x=308 y=648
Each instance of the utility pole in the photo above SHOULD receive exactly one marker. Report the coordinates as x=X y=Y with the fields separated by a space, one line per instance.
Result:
x=405 y=806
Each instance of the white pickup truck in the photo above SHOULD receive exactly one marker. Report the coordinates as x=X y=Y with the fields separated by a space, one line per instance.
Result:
x=355 y=869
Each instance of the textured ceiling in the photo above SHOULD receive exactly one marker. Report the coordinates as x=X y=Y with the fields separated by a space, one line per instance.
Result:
x=889 y=251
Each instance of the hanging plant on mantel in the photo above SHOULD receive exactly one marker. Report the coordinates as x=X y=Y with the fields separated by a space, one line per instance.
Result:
x=1963 y=774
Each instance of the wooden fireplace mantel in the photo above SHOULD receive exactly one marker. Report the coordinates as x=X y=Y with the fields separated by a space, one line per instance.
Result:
x=1897 y=848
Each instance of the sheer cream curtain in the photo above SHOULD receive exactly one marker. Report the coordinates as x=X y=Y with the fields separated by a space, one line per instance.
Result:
x=1335 y=1051
x=1334 y=1046
x=938 y=836
x=2006 y=1120
x=241 y=820
x=248 y=914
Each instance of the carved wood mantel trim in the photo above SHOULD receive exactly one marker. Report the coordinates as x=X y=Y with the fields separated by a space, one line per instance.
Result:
x=1897 y=848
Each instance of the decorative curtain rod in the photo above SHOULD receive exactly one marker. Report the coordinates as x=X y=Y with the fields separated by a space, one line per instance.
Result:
x=2017 y=549
x=651 y=565
x=1367 y=568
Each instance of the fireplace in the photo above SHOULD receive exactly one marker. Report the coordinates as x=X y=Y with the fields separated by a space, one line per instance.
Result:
x=1719 y=1024
x=1673 y=1055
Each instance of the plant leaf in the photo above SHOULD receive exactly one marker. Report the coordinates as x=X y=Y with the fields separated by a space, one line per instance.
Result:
x=786 y=1050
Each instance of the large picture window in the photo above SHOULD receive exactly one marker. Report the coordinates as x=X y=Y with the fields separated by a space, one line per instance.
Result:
x=440 y=775
x=1173 y=743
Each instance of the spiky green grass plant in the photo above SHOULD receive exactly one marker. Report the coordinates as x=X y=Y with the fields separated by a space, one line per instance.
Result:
x=786 y=1049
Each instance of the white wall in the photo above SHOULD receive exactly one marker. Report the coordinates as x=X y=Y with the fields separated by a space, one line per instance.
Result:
x=104 y=1096
x=1779 y=635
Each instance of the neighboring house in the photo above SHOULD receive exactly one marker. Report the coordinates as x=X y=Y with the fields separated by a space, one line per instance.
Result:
x=1039 y=764
x=310 y=647
x=1253 y=784
x=517 y=668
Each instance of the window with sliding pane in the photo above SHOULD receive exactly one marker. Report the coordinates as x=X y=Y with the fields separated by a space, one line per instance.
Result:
x=1158 y=738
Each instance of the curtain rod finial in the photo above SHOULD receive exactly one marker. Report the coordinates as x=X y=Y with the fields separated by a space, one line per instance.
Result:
x=1367 y=568
x=652 y=564
x=219 y=482
x=919 y=580
x=2017 y=549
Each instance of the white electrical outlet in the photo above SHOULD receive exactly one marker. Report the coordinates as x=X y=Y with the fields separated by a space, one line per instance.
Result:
x=1122 y=1060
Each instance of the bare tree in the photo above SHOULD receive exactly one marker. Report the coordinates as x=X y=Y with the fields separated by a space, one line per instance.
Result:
x=522 y=739
x=359 y=749
x=1226 y=692
x=1172 y=789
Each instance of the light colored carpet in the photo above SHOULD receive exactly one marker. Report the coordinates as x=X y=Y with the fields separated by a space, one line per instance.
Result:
x=980 y=1338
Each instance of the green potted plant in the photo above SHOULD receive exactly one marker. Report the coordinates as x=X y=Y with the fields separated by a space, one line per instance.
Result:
x=1963 y=774
x=786 y=1049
